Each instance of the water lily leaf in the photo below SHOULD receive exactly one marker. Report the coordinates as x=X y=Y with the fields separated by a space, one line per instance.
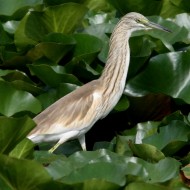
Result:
x=10 y=7
x=54 y=47
x=95 y=184
x=146 y=152
x=24 y=149
x=12 y=75
x=145 y=129
x=45 y=158
x=179 y=130
x=13 y=131
x=86 y=50
x=166 y=73
x=58 y=2
x=178 y=33
x=51 y=50
x=150 y=8
x=5 y=39
x=122 y=145
x=123 y=104
x=86 y=44
x=100 y=6
x=144 y=186
x=102 y=170
x=61 y=19
x=10 y=105
x=22 y=174
x=104 y=165
x=186 y=171
x=163 y=8
x=100 y=165
x=10 y=26
x=53 y=75
x=183 y=21
x=164 y=170
x=21 y=40
x=52 y=95
x=21 y=85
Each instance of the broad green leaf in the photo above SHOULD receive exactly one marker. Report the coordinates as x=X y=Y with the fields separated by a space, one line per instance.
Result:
x=22 y=174
x=100 y=165
x=106 y=171
x=21 y=85
x=144 y=186
x=145 y=129
x=52 y=75
x=11 y=26
x=86 y=50
x=160 y=172
x=95 y=184
x=13 y=131
x=10 y=7
x=61 y=19
x=174 y=132
x=163 y=171
x=98 y=6
x=183 y=20
x=147 y=7
x=45 y=158
x=51 y=50
x=21 y=40
x=177 y=116
x=141 y=46
x=146 y=152
x=14 y=101
x=164 y=8
x=59 y=2
x=24 y=149
x=86 y=44
x=170 y=8
x=52 y=95
x=12 y=75
x=183 y=4
x=178 y=33
x=123 y=104
x=122 y=145
x=5 y=39
x=111 y=167
x=165 y=73
x=186 y=171
x=54 y=47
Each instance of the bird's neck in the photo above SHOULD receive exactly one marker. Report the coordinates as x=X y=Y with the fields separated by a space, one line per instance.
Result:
x=115 y=72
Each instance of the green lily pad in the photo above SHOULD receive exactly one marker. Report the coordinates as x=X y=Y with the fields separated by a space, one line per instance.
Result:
x=166 y=73
x=14 y=101
x=24 y=149
x=53 y=75
x=144 y=186
x=60 y=19
x=13 y=131
x=179 y=133
x=146 y=152
x=22 y=174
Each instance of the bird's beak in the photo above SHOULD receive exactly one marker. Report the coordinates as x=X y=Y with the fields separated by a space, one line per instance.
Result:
x=157 y=26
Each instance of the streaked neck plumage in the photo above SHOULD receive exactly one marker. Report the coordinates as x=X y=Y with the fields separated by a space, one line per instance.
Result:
x=115 y=72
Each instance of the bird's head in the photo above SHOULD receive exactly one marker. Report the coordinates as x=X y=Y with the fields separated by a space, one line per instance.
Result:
x=137 y=21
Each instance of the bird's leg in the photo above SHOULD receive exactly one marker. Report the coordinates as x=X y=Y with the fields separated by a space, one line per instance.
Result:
x=65 y=137
x=54 y=147
x=82 y=142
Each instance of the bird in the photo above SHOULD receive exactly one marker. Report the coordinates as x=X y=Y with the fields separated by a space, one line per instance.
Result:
x=71 y=116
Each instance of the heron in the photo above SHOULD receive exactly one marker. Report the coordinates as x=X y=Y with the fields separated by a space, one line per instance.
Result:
x=74 y=114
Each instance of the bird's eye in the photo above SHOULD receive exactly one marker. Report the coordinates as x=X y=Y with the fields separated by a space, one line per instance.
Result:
x=138 y=20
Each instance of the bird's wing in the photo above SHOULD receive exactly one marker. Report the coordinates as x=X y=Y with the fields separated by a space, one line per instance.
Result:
x=68 y=112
